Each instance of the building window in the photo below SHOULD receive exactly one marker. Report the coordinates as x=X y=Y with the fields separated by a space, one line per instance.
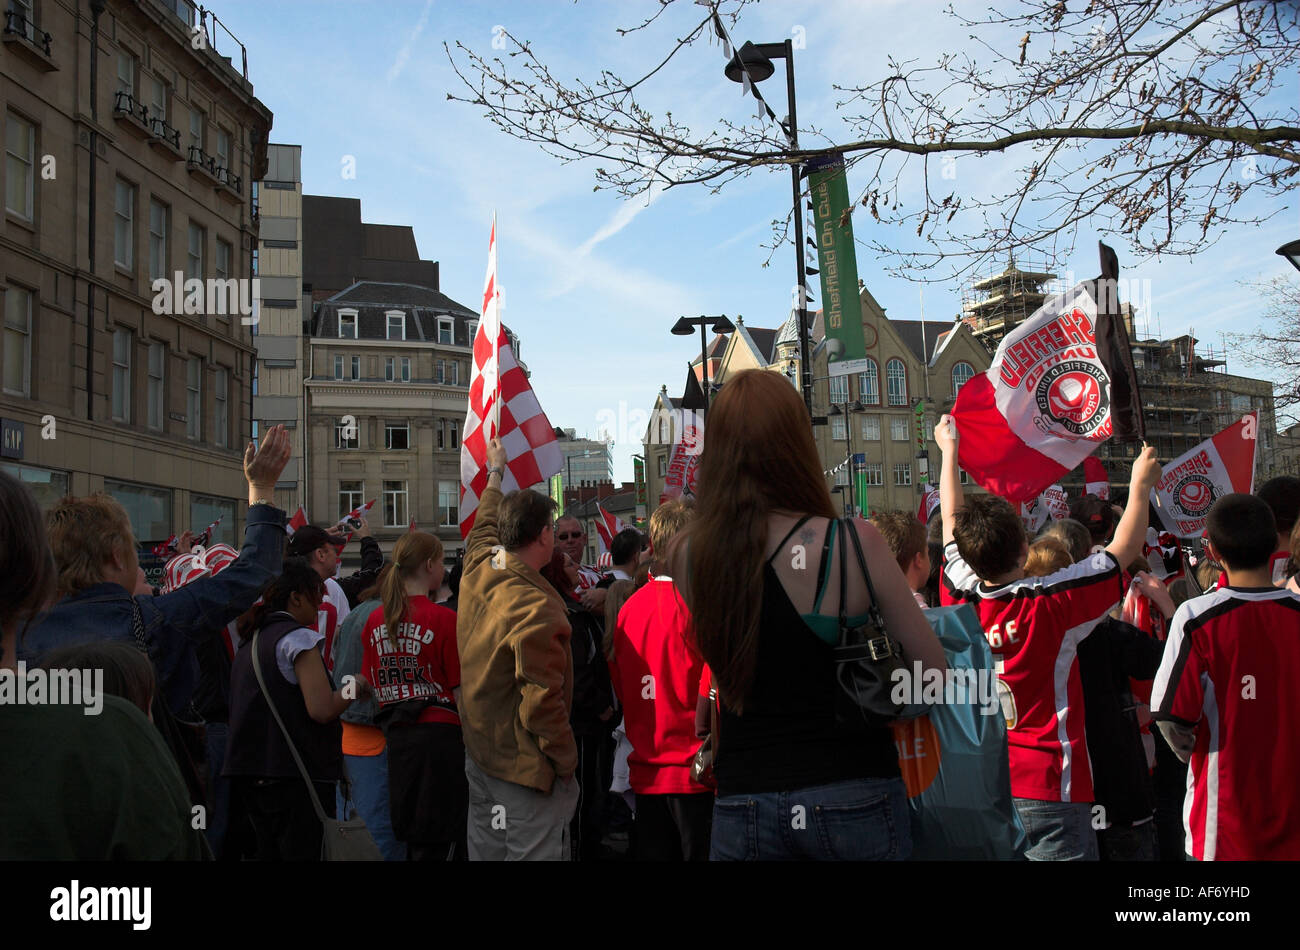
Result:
x=961 y=374
x=663 y=466
x=204 y=510
x=896 y=374
x=397 y=435
x=898 y=428
x=194 y=253
x=196 y=127
x=454 y=433
x=194 y=398
x=157 y=387
x=350 y=496
x=454 y=373
x=20 y=167
x=839 y=389
x=472 y=327
x=347 y=324
x=441 y=427
x=223 y=149
x=448 y=504
x=869 y=384
x=871 y=428
x=157 y=99
x=902 y=473
x=125 y=72
x=220 y=395
x=395 y=505
x=124 y=225
x=406 y=369
x=224 y=254
x=356 y=367
x=338 y=367
x=446 y=329
x=439 y=371
x=1239 y=402
x=396 y=325
x=875 y=473
x=158 y=215
x=47 y=487
x=148 y=509
x=839 y=429
x=18 y=341
x=346 y=437
x=390 y=368
x=962 y=477
x=121 y=375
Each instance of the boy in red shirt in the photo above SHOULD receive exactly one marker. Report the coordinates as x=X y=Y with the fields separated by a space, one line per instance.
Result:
x=1034 y=626
x=656 y=671
x=1225 y=696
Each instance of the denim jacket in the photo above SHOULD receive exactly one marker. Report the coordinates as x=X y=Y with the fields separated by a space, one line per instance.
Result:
x=173 y=622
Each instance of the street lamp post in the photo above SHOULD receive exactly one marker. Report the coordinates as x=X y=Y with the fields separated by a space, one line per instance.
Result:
x=685 y=326
x=847 y=409
x=1291 y=251
x=755 y=59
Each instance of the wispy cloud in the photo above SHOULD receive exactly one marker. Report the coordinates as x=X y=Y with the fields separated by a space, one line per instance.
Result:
x=404 y=53
x=621 y=218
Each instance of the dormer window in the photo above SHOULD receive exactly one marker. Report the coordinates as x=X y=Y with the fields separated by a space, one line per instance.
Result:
x=446 y=331
x=396 y=325
x=347 y=324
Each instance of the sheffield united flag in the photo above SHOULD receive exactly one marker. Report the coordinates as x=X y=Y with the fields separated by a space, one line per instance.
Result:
x=1060 y=384
x=684 y=465
x=1221 y=465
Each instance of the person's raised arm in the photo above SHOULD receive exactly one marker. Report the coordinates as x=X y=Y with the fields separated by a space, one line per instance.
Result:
x=263 y=466
x=1131 y=533
x=484 y=537
x=951 y=497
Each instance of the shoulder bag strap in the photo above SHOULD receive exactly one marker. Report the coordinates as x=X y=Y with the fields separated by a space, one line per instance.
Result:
x=824 y=569
x=844 y=587
x=311 y=788
x=877 y=617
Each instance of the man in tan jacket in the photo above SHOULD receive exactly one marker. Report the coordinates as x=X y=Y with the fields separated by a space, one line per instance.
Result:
x=516 y=670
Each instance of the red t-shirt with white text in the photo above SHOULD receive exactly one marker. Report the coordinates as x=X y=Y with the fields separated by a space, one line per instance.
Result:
x=421 y=665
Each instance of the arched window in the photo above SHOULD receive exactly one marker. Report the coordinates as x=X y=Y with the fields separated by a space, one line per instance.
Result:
x=869 y=384
x=961 y=374
x=896 y=375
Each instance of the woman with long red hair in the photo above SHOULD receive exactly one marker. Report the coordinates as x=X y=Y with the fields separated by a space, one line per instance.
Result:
x=759 y=569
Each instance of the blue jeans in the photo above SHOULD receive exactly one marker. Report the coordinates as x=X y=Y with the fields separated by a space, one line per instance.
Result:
x=369 y=784
x=858 y=820
x=1058 y=831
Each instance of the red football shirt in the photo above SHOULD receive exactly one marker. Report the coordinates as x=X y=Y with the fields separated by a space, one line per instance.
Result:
x=423 y=663
x=1034 y=627
x=656 y=672
x=1230 y=668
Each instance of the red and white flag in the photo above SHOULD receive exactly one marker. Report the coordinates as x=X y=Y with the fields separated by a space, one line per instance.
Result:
x=298 y=520
x=607 y=526
x=929 y=502
x=162 y=548
x=1221 y=465
x=1052 y=504
x=1061 y=383
x=684 y=465
x=206 y=534
x=360 y=512
x=411 y=528
x=501 y=405
x=1095 y=480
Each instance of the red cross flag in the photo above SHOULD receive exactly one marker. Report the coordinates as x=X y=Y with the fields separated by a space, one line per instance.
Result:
x=501 y=405
x=1221 y=465
x=1061 y=383
x=360 y=512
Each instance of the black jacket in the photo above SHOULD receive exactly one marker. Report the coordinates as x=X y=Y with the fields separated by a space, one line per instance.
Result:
x=592 y=691
x=372 y=562
x=1112 y=653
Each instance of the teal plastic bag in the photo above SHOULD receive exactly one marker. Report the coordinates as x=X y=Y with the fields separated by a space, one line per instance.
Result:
x=954 y=757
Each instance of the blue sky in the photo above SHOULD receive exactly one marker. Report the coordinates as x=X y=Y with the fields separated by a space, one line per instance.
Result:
x=593 y=283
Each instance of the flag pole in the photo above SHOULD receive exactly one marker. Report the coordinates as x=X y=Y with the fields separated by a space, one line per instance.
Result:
x=496 y=341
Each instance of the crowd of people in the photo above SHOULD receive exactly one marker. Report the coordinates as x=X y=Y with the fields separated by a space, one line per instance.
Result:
x=687 y=704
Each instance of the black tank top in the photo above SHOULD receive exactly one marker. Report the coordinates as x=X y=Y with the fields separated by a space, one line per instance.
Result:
x=788 y=737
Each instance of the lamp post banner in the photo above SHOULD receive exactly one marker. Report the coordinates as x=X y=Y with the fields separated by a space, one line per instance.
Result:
x=828 y=185
x=860 y=483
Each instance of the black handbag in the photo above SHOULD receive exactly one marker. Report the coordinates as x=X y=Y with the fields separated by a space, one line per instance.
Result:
x=865 y=657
